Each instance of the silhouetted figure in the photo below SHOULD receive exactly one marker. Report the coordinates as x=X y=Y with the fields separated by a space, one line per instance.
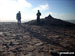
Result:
x=18 y=17
x=38 y=17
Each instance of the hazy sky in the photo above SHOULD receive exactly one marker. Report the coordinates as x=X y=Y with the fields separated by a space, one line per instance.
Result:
x=61 y=9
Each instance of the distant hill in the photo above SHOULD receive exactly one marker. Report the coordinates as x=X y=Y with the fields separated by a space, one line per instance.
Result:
x=72 y=21
x=49 y=20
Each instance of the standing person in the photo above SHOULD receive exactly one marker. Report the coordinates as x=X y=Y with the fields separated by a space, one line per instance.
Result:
x=18 y=17
x=38 y=16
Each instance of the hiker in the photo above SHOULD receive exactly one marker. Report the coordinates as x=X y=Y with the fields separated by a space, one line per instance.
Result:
x=38 y=16
x=18 y=17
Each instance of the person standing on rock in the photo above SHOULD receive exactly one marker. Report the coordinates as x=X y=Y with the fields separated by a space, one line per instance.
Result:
x=38 y=17
x=18 y=17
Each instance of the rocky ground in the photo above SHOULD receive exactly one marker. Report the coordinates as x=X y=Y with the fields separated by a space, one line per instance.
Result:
x=34 y=40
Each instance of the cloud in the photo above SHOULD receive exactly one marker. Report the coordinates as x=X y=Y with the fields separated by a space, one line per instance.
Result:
x=41 y=7
x=24 y=3
x=14 y=4
x=9 y=8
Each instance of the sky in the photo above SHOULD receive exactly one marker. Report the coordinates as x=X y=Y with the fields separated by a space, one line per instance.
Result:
x=61 y=9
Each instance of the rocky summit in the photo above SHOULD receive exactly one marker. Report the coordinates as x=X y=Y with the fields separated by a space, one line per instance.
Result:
x=30 y=39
